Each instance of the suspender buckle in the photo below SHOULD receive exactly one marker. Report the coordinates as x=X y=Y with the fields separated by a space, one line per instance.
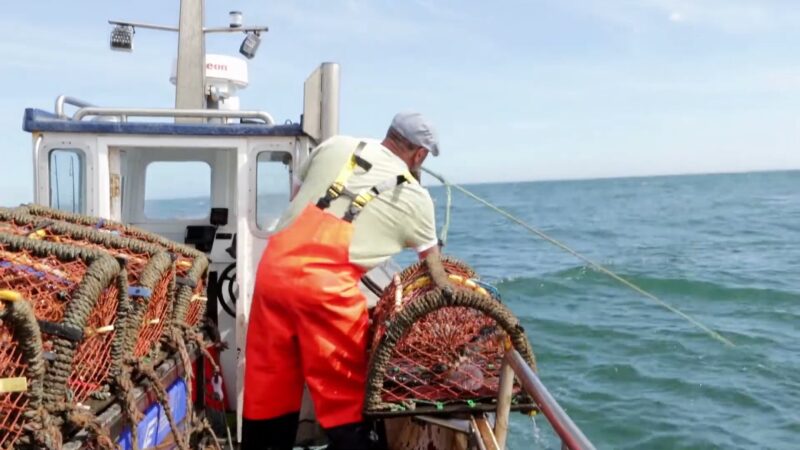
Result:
x=361 y=201
x=361 y=162
x=335 y=189
x=351 y=213
x=324 y=203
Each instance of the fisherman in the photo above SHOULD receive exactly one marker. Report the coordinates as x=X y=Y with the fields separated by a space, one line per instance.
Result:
x=357 y=203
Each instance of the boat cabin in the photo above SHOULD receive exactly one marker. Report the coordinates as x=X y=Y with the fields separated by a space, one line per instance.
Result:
x=217 y=179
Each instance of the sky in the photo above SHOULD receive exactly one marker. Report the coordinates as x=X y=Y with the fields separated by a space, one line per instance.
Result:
x=519 y=90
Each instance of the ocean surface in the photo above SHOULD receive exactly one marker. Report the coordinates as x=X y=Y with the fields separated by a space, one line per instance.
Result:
x=722 y=248
x=725 y=249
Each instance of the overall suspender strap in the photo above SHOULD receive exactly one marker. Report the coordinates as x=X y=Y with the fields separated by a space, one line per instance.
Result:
x=361 y=200
x=337 y=188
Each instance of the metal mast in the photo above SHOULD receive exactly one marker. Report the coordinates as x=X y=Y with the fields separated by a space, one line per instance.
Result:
x=191 y=71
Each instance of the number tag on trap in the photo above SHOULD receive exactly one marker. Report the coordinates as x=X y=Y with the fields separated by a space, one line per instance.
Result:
x=18 y=384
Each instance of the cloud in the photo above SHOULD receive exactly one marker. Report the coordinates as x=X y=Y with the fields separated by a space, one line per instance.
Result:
x=330 y=22
x=743 y=16
x=782 y=79
x=728 y=16
x=388 y=27
x=437 y=10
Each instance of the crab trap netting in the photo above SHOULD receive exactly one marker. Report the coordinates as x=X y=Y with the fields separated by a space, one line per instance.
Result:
x=73 y=295
x=190 y=265
x=21 y=366
x=150 y=271
x=107 y=303
x=438 y=343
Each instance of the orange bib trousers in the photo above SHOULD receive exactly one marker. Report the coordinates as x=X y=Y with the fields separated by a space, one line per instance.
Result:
x=308 y=323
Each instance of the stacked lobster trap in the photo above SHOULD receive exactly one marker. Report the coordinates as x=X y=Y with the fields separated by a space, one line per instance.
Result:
x=438 y=344
x=87 y=309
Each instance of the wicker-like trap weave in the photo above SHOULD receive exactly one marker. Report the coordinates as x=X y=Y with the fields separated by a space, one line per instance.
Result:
x=20 y=359
x=150 y=271
x=439 y=345
x=87 y=310
x=66 y=326
x=190 y=265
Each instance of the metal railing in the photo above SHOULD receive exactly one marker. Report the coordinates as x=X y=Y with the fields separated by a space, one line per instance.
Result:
x=86 y=109
x=124 y=113
x=62 y=100
x=571 y=436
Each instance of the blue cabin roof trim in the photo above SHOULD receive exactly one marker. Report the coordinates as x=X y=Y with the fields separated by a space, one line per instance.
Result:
x=37 y=120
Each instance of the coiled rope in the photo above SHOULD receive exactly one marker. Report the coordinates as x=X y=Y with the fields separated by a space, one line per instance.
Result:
x=594 y=265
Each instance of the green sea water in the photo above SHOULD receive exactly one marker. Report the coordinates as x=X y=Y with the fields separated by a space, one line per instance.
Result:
x=722 y=248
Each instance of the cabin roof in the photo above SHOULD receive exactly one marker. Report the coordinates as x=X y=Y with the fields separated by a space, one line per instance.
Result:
x=36 y=120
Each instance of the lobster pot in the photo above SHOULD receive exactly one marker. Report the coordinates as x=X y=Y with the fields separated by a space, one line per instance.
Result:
x=73 y=295
x=191 y=265
x=433 y=350
x=190 y=307
x=21 y=365
x=150 y=271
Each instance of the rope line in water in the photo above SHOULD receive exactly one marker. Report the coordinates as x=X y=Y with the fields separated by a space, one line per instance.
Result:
x=594 y=265
x=446 y=225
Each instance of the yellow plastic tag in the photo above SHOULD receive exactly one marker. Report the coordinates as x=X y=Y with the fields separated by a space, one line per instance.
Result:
x=9 y=295
x=38 y=234
x=18 y=384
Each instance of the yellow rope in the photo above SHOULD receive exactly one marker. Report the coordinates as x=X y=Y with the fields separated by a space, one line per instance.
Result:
x=596 y=266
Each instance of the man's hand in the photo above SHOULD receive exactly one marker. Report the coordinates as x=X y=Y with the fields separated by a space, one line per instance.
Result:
x=430 y=251
x=433 y=260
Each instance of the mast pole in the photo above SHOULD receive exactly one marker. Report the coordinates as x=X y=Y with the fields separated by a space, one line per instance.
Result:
x=191 y=69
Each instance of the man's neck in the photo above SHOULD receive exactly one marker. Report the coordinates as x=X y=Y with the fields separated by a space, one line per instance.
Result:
x=394 y=148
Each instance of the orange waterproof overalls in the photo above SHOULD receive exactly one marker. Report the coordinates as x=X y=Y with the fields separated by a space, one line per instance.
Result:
x=308 y=319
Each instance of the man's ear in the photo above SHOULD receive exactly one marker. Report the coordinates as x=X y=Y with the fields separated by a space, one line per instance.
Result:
x=419 y=156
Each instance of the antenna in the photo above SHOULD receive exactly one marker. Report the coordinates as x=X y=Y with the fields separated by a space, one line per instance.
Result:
x=190 y=75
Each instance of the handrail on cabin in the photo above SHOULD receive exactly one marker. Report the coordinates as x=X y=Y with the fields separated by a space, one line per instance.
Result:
x=124 y=113
x=62 y=100
x=571 y=436
x=88 y=109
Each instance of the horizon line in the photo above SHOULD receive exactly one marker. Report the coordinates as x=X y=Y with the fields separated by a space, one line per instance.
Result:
x=623 y=177
x=558 y=180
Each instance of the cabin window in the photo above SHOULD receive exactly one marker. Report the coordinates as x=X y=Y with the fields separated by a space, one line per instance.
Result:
x=273 y=187
x=67 y=180
x=177 y=190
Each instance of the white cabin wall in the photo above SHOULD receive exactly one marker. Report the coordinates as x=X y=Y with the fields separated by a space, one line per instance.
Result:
x=86 y=144
x=103 y=180
x=115 y=186
x=37 y=143
x=223 y=190
x=244 y=276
